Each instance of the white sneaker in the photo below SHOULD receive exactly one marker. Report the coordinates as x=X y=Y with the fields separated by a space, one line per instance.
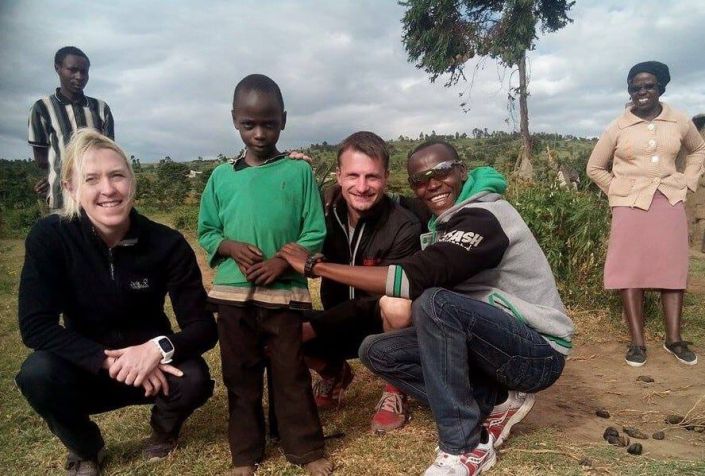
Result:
x=473 y=463
x=507 y=414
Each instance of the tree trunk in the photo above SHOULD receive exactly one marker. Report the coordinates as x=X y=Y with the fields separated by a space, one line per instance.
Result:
x=524 y=167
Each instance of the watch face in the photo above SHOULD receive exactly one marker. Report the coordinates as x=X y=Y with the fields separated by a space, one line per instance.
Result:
x=165 y=344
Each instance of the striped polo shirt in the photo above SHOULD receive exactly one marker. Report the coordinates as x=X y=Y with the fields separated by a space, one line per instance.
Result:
x=53 y=119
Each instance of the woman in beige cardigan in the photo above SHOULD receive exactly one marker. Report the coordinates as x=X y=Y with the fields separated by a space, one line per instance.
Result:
x=634 y=164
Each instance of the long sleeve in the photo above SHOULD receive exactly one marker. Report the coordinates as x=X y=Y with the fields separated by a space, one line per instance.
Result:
x=41 y=302
x=313 y=225
x=185 y=286
x=471 y=242
x=210 y=226
x=109 y=123
x=601 y=158
x=695 y=160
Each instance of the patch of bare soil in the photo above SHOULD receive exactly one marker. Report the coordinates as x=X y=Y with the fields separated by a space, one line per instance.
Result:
x=597 y=377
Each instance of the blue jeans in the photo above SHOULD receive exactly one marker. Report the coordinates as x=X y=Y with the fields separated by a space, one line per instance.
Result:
x=458 y=358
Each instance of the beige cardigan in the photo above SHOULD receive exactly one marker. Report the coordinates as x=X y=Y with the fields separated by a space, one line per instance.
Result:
x=643 y=156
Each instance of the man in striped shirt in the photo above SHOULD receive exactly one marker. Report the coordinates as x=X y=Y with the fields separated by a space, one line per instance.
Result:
x=54 y=118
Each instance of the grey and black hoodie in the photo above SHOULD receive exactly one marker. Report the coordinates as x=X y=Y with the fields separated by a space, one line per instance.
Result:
x=482 y=248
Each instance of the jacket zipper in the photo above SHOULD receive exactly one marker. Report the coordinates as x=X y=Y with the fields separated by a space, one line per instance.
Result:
x=111 y=264
x=351 y=252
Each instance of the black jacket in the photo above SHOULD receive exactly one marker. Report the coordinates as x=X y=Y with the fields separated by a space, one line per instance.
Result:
x=110 y=298
x=385 y=235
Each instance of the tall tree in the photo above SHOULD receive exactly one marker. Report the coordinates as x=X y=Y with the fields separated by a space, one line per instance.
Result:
x=440 y=36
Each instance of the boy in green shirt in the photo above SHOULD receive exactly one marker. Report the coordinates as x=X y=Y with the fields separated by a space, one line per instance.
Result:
x=250 y=208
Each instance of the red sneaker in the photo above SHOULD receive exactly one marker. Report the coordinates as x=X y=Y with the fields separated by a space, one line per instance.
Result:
x=392 y=410
x=505 y=415
x=328 y=392
x=473 y=463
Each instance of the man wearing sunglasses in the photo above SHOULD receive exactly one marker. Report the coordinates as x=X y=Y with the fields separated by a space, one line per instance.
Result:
x=489 y=328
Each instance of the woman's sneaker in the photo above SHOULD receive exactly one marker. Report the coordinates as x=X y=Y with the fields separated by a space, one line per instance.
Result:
x=681 y=351
x=507 y=414
x=636 y=355
x=473 y=463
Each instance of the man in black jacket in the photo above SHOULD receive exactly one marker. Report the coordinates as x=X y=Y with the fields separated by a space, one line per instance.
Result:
x=365 y=227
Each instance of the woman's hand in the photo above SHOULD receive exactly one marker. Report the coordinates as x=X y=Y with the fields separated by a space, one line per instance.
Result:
x=294 y=254
x=134 y=364
x=156 y=381
x=266 y=272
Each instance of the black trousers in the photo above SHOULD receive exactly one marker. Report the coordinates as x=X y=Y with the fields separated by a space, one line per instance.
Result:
x=244 y=332
x=66 y=395
x=341 y=329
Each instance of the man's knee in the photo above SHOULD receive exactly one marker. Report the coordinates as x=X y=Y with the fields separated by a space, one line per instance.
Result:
x=426 y=306
x=372 y=353
x=195 y=386
x=39 y=378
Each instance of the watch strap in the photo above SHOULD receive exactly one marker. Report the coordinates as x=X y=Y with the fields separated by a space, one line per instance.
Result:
x=312 y=261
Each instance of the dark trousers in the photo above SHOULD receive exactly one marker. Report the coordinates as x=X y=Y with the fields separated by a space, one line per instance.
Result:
x=66 y=395
x=459 y=357
x=244 y=332
x=341 y=329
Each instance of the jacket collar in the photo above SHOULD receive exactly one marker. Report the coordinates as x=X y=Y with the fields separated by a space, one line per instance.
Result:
x=340 y=209
x=131 y=238
x=629 y=119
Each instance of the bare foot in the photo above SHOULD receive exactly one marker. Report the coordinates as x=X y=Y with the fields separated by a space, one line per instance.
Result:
x=320 y=467
x=243 y=471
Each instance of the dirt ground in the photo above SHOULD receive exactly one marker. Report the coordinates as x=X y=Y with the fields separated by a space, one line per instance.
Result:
x=596 y=376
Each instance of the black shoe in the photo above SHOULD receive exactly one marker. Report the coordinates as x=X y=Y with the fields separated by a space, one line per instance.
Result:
x=159 y=447
x=636 y=355
x=76 y=466
x=681 y=351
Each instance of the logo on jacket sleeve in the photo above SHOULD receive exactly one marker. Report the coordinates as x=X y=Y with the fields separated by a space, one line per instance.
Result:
x=465 y=239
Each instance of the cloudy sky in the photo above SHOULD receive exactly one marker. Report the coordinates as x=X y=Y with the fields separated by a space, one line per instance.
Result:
x=168 y=68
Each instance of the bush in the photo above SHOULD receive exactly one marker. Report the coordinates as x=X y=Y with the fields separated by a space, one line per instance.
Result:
x=572 y=229
x=186 y=219
x=16 y=222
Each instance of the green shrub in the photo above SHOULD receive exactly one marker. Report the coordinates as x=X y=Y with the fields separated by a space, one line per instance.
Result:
x=186 y=219
x=16 y=222
x=572 y=229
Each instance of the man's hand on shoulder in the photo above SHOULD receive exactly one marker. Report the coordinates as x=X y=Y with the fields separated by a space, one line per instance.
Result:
x=267 y=271
x=297 y=155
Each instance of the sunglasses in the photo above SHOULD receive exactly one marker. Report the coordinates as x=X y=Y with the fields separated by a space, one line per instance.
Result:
x=646 y=87
x=438 y=172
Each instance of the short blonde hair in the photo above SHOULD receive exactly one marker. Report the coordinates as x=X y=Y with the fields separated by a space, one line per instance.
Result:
x=82 y=142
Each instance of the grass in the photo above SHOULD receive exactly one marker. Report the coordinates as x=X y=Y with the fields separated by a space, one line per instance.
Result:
x=27 y=446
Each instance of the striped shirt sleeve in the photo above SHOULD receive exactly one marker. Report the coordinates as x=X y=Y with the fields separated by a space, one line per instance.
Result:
x=37 y=125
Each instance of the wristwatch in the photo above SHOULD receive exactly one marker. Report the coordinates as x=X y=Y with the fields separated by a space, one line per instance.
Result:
x=165 y=347
x=312 y=261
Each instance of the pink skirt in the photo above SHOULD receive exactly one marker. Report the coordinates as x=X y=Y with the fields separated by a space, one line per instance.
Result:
x=648 y=249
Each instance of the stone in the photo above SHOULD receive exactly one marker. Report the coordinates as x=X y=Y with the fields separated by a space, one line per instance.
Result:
x=602 y=413
x=610 y=431
x=635 y=433
x=659 y=435
x=635 y=449
x=644 y=378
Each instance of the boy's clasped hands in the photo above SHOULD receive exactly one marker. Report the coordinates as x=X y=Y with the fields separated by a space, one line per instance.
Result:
x=252 y=264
